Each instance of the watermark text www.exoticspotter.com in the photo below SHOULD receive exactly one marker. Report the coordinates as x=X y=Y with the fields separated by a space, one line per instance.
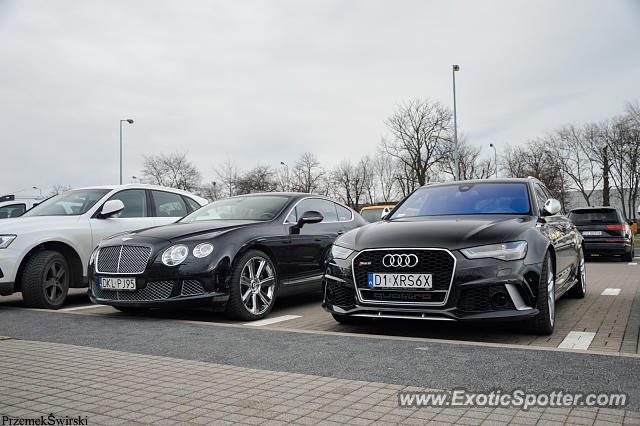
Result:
x=518 y=398
x=50 y=419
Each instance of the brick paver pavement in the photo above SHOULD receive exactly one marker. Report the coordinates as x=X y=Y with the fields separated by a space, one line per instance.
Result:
x=110 y=387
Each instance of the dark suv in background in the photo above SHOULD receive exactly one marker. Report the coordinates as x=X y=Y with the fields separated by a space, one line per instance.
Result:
x=604 y=230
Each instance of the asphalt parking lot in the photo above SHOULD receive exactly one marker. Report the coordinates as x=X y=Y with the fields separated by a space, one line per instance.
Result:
x=606 y=320
x=63 y=361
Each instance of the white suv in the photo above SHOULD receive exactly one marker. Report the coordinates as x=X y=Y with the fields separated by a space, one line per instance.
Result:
x=46 y=250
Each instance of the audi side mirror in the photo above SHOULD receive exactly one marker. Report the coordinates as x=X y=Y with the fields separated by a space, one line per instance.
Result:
x=551 y=207
x=110 y=208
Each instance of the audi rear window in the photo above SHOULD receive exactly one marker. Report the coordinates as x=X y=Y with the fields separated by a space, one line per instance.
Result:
x=594 y=216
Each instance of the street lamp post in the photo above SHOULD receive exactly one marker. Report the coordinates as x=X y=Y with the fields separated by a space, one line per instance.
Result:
x=130 y=121
x=39 y=189
x=455 y=123
x=287 y=166
x=495 y=154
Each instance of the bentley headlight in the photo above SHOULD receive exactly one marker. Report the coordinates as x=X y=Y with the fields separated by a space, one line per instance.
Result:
x=175 y=255
x=503 y=251
x=339 y=252
x=202 y=250
x=93 y=255
x=5 y=240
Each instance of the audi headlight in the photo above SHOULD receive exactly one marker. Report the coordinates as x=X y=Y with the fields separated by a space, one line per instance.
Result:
x=503 y=251
x=202 y=250
x=175 y=255
x=339 y=252
x=5 y=240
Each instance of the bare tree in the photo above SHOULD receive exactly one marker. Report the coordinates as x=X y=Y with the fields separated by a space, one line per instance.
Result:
x=307 y=174
x=259 y=179
x=171 y=170
x=227 y=173
x=570 y=144
x=58 y=189
x=597 y=147
x=211 y=191
x=420 y=131
x=348 y=182
x=470 y=163
x=537 y=160
x=624 y=144
x=385 y=175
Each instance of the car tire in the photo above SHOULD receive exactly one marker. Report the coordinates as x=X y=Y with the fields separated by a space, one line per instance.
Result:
x=132 y=310
x=579 y=289
x=628 y=257
x=348 y=319
x=45 y=280
x=253 y=287
x=544 y=322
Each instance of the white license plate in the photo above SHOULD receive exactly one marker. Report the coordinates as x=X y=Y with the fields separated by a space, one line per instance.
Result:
x=591 y=233
x=117 y=283
x=422 y=281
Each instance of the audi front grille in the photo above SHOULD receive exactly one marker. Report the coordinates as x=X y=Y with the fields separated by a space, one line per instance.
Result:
x=440 y=263
x=122 y=259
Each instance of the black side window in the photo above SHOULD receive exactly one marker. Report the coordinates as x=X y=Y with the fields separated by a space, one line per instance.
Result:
x=135 y=203
x=168 y=204
x=344 y=214
x=540 y=196
x=325 y=207
x=12 y=210
x=193 y=205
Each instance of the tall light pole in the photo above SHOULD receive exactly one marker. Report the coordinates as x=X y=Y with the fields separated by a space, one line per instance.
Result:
x=39 y=189
x=455 y=123
x=130 y=121
x=495 y=154
x=287 y=166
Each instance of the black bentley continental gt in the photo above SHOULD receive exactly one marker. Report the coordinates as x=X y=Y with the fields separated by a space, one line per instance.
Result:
x=236 y=254
x=469 y=250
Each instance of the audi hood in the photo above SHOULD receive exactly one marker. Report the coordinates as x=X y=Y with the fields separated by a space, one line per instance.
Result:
x=452 y=232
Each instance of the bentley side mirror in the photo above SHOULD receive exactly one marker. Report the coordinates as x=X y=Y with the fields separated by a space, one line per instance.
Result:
x=110 y=208
x=551 y=207
x=310 y=216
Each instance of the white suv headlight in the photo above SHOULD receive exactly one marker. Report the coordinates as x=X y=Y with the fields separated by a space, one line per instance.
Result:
x=175 y=255
x=503 y=251
x=5 y=240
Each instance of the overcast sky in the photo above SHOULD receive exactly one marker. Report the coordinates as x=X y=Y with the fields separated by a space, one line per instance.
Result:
x=263 y=82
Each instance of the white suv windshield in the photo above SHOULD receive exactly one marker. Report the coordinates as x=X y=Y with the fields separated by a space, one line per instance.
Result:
x=71 y=203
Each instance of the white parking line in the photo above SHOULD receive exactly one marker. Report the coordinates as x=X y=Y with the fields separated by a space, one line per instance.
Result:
x=77 y=308
x=577 y=340
x=633 y=263
x=272 y=320
x=610 y=292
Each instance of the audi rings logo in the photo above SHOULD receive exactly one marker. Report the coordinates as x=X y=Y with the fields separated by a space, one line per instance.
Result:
x=400 y=260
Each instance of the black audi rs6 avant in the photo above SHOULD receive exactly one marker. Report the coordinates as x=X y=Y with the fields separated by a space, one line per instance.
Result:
x=469 y=250
x=235 y=254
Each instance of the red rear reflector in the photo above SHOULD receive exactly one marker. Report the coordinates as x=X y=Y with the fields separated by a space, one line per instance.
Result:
x=614 y=241
x=615 y=227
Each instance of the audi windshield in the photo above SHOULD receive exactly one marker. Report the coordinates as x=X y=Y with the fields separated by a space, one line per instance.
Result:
x=466 y=199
